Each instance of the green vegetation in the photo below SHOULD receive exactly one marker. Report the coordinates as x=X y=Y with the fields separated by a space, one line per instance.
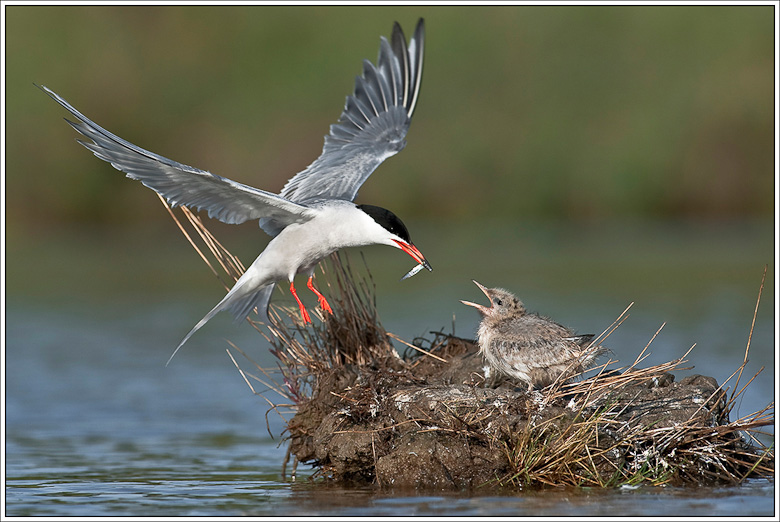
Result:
x=569 y=112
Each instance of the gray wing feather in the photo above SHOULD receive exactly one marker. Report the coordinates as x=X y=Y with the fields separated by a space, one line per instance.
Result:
x=372 y=126
x=180 y=184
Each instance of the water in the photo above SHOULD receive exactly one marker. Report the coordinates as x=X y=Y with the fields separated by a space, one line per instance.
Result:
x=96 y=425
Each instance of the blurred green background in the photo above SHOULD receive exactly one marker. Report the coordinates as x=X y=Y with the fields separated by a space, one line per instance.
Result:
x=581 y=113
x=589 y=117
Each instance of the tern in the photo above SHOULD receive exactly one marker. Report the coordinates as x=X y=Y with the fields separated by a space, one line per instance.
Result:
x=314 y=214
x=528 y=346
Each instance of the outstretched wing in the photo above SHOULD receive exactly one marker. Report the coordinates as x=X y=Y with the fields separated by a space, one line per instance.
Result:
x=224 y=199
x=373 y=125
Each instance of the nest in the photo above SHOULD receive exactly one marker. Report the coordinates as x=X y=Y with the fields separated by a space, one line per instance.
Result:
x=428 y=418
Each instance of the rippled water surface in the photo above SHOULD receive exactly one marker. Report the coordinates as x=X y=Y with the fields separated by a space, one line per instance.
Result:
x=96 y=425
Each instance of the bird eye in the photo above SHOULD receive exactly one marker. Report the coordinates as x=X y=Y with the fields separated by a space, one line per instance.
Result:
x=498 y=301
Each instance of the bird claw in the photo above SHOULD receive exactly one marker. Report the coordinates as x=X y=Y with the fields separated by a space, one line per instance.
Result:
x=323 y=303
x=304 y=313
x=325 y=306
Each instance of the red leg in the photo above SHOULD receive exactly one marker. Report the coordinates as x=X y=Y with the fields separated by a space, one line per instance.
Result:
x=323 y=303
x=304 y=313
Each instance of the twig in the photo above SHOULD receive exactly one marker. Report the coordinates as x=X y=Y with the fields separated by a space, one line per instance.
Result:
x=750 y=335
x=410 y=345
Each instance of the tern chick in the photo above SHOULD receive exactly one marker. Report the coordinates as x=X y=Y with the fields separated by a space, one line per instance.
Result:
x=529 y=347
x=313 y=216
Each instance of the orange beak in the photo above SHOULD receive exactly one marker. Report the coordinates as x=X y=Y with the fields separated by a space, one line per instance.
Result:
x=416 y=254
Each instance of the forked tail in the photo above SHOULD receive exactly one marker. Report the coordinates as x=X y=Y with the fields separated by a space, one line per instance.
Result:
x=240 y=302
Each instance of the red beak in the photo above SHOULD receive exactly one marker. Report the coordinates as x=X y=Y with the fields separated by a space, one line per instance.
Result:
x=416 y=254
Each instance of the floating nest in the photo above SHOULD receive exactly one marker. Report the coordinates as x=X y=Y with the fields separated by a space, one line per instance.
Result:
x=429 y=418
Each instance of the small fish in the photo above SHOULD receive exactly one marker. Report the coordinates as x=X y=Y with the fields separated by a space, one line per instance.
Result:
x=413 y=271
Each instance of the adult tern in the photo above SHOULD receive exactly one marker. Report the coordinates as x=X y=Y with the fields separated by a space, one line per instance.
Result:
x=314 y=214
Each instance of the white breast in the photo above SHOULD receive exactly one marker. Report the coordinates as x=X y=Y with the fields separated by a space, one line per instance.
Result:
x=337 y=225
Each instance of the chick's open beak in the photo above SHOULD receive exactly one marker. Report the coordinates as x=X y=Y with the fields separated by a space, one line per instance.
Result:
x=482 y=309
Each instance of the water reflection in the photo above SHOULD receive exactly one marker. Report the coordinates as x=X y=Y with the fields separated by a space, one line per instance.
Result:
x=754 y=498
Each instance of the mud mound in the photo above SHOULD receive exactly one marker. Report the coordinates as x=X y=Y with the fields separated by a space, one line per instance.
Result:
x=427 y=423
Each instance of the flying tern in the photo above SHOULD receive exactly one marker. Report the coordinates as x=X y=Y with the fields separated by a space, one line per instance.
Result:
x=314 y=214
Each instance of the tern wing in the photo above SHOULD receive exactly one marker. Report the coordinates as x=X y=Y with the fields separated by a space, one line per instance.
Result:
x=373 y=125
x=224 y=199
